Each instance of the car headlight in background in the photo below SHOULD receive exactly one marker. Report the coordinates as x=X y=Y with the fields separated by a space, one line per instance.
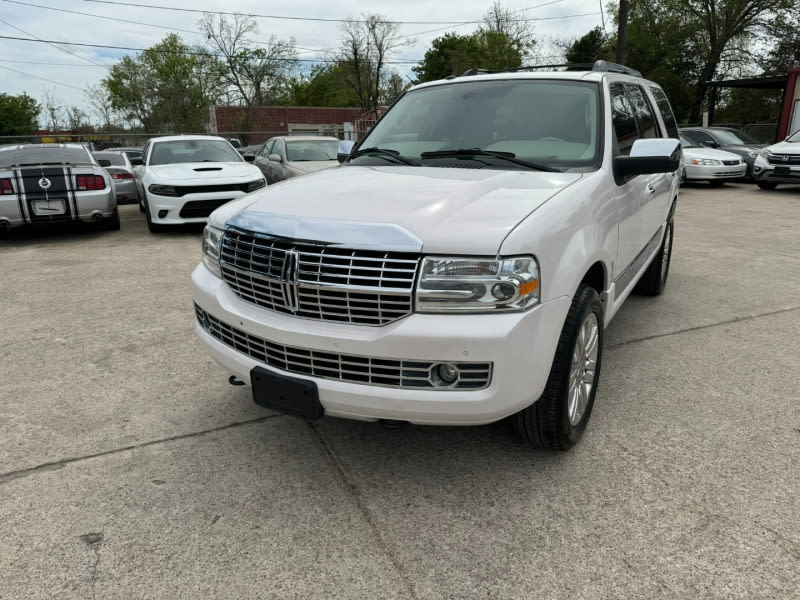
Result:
x=162 y=190
x=212 y=241
x=454 y=284
x=708 y=162
x=252 y=186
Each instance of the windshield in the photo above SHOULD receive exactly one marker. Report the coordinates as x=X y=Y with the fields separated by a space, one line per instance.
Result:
x=552 y=123
x=189 y=151
x=795 y=137
x=731 y=137
x=39 y=155
x=113 y=157
x=687 y=143
x=304 y=150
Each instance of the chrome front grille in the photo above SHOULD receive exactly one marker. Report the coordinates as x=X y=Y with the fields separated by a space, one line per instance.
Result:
x=367 y=370
x=731 y=162
x=783 y=159
x=319 y=281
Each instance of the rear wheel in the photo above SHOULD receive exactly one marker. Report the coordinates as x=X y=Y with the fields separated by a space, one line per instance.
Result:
x=112 y=222
x=557 y=420
x=654 y=279
x=767 y=185
x=153 y=227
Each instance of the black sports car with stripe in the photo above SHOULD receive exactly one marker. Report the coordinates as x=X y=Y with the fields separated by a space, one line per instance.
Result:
x=54 y=183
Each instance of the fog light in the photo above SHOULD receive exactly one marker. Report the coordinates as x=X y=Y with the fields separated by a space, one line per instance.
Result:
x=503 y=290
x=162 y=214
x=444 y=374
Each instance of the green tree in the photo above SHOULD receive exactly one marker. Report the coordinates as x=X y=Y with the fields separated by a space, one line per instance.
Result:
x=592 y=46
x=18 y=114
x=452 y=54
x=166 y=87
x=325 y=85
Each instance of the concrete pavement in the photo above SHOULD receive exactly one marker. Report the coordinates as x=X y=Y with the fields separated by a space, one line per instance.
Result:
x=129 y=468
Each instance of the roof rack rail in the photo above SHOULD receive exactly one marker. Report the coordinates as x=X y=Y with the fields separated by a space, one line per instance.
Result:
x=611 y=67
x=599 y=65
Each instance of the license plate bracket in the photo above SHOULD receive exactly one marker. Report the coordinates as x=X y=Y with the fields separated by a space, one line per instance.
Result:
x=52 y=206
x=289 y=395
x=782 y=171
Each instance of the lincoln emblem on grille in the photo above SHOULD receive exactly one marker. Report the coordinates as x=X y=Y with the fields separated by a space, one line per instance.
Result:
x=291 y=297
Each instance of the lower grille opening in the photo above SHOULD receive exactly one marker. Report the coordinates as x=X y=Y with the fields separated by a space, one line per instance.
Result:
x=201 y=208
x=382 y=372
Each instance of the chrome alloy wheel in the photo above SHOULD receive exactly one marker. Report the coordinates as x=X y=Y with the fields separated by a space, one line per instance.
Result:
x=666 y=252
x=583 y=369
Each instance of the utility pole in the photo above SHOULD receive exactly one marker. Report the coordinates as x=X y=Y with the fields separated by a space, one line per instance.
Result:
x=622 y=33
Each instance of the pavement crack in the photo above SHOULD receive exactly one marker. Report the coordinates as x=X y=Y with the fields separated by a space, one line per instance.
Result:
x=348 y=481
x=60 y=464
x=701 y=327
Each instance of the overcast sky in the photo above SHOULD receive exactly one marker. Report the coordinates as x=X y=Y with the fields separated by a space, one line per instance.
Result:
x=33 y=67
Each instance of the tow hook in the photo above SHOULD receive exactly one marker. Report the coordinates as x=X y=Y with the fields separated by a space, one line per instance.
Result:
x=233 y=380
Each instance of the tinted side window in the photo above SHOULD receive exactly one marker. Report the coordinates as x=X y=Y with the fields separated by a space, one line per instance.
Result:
x=648 y=127
x=700 y=136
x=623 y=118
x=277 y=148
x=267 y=149
x=666 y=111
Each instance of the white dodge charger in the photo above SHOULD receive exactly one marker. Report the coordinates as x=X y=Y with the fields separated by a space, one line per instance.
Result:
x=183 y=178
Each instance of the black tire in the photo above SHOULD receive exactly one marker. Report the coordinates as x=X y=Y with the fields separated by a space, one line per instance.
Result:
x=654 y=279
x=716 y=182
x=153 y=227
x=767 y=185
x=546 y=423
x=112 y=222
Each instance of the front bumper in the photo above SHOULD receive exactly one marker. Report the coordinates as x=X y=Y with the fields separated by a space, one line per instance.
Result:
x=711 y=172
x=764 y=171
x=191 y=208
x=519 y=346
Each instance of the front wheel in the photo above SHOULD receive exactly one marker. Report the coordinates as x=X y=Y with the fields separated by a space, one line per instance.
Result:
x=557 y=420
x=152 y=227
x=767 y=185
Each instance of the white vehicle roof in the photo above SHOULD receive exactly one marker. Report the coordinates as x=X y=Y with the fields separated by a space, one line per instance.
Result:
x=177 y=138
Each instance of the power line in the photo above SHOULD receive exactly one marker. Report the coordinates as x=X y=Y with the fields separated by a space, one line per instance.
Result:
x=42 y=78
x=324 y=20
x=261 y=16
x=50 y=43
x=52 y=64
x=185 y=52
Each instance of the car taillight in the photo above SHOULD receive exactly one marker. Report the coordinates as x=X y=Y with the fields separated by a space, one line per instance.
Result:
x=90 y=182
x=122 y=175
x=6 y=187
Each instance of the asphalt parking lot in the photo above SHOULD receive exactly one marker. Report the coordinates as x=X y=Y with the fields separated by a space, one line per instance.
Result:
x=130 y=468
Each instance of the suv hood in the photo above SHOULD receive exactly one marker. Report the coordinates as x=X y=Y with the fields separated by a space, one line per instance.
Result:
x=216 y=172
x=784 y=148
x=458 y=211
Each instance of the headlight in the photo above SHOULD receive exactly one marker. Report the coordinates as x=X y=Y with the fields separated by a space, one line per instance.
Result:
x=709 y=162
x=465 y=284
x=212 y=241
x=255 y=185
x=752 y=153
x=163 y=190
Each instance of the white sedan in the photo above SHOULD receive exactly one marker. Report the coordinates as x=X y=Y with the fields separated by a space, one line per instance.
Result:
x=184 y=178
x=707 y=164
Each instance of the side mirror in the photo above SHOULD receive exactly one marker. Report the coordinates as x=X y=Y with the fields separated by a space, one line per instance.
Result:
x=250 y=157
x=104 y=162
x=345 y=146
x=710 y=144
x=136 y=162
x=275 y=158
x=648 y=157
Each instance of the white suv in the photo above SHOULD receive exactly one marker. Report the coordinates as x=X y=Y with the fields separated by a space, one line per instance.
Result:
x=461 y=265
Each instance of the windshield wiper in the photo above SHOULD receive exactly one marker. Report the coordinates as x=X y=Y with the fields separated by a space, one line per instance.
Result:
x=473 y=152
x=384 y=153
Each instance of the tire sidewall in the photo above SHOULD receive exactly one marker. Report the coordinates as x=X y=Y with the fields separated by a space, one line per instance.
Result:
x=571 y=434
